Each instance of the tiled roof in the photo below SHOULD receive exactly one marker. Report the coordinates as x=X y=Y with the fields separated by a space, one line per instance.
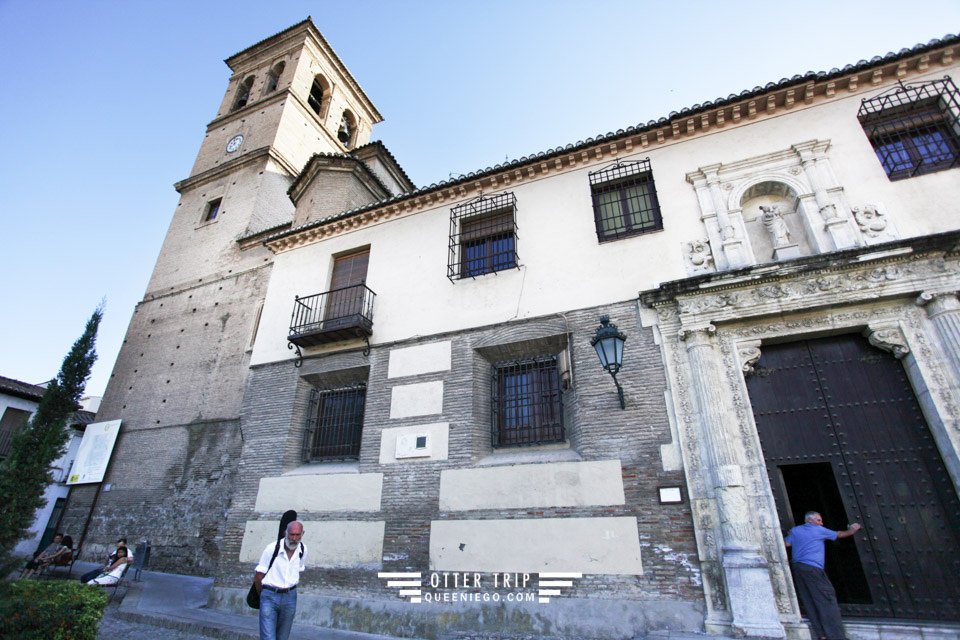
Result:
x=23 y=390
x=784 y=83
x=308 y=22
x=302 y=175
x=383 y=147
x=83 y=417
x=337 y=156
x=279 y=33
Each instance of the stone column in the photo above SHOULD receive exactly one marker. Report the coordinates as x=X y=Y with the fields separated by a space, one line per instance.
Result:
x=730 y=239
x=745 y=570
x=943 y=308
x=841 y=233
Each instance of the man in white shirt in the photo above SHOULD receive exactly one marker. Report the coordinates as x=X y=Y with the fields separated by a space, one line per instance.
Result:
x=278 y=573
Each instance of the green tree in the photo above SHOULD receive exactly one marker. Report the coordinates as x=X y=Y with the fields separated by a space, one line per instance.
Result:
x=25 y=473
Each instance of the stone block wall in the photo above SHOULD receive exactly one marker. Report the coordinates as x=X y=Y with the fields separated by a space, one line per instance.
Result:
x=412 y=491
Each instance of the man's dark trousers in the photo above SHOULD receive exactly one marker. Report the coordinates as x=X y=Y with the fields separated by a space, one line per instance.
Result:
x=90 y=575
x=820 y=600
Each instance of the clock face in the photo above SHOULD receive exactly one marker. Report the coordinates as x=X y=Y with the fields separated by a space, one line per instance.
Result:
x=234 y=143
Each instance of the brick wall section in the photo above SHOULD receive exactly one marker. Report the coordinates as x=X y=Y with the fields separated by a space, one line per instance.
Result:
x=275 y=406
x=187 y=476
x=177 y=386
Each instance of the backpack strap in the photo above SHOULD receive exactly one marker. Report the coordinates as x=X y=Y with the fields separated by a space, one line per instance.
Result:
x=301 y=551
x=276 y=550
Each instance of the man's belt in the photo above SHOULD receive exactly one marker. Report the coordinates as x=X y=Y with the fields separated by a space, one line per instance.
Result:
x=270 y=587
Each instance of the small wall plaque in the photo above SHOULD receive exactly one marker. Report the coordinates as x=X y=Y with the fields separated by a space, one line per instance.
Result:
x=670 y=495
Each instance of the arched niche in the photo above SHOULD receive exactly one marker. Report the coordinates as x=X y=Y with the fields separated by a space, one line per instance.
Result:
x=772 y=218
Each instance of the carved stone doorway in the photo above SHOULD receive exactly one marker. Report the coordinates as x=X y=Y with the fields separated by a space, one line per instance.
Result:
x=842 y=433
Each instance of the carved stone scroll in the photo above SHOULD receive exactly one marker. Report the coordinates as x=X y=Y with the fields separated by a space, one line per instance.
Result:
x=889 y=337
x=749 y=355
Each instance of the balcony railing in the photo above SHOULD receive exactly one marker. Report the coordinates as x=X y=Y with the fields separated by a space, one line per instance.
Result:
x=339 y=314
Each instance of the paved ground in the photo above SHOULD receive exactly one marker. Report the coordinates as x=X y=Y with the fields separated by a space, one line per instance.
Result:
x=112 y=628
x=165 y=606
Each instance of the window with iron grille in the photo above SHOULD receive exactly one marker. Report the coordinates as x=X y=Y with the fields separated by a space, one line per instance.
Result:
x=914 y=128
x=625 y=200
x=13 y=421
x=335 y=423
x=483 y=236
x=526 y=402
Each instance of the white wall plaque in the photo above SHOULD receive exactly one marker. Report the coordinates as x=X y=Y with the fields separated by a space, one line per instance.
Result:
x=93 y=456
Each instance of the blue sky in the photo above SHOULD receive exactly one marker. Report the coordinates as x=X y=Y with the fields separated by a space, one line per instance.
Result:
x=104 y=106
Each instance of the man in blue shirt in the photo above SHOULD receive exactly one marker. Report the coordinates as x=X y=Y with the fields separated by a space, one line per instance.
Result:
x=813 y=586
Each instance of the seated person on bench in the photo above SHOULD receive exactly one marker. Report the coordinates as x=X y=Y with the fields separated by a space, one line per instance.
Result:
x=111 y=574
x=121 y=544
x=56 y=552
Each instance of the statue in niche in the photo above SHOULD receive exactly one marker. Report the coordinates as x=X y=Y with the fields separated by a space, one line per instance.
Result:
x=773 y=222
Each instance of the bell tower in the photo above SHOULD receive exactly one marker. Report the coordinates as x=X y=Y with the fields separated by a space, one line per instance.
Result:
x=177 y=385
x=289 y=98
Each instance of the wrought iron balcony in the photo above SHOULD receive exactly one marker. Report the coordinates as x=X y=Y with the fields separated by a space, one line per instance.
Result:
x=339 y=314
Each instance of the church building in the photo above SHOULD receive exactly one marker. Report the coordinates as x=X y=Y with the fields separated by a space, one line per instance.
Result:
x=579 y=394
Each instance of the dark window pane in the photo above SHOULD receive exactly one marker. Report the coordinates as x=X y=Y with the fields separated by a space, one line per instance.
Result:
x=13 y=420
x=526 y=403
x=932 y=147
x=894 y=157
x=337 y=425
x=213 y=208
x=485 y=247
x=624 y=200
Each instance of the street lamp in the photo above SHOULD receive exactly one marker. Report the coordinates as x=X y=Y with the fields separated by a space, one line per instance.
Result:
x=608 y=342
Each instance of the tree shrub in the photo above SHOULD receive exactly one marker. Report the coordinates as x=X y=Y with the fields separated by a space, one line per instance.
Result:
x=50 y=610
x=25 y=472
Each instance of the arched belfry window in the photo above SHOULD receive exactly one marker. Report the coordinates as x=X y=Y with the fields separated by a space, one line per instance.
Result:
x=273 y=77
x=243 y=93
x=319 y=95
x=347 y=131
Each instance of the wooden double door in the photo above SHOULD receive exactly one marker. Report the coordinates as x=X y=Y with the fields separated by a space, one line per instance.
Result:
x=843 y=434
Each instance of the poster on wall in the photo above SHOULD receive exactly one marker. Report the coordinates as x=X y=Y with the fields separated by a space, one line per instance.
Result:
x=93 y=456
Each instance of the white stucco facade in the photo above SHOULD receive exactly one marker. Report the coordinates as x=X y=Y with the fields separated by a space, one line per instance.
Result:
x=556 y=240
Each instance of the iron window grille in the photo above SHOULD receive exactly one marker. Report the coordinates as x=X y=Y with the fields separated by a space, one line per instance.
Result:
x=483 y=236
x=526 y=402
x=625 y=200
x=914 y=128
x=335 y=423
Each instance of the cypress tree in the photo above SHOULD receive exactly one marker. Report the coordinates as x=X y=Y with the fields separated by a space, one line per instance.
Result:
x=25 y=473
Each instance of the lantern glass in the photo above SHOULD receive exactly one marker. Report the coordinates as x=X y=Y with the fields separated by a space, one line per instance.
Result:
x=600 y=347
x=608 y=342
x=610 y=351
